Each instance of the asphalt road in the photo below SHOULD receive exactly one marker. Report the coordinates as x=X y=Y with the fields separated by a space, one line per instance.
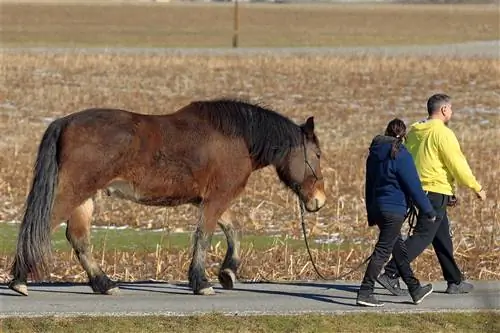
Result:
x=175 y=299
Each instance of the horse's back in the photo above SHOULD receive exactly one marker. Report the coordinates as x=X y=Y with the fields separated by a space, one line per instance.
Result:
x=104 y=116
x=101 y=141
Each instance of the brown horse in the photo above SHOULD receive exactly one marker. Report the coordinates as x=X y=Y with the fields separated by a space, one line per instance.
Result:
x=203 y=154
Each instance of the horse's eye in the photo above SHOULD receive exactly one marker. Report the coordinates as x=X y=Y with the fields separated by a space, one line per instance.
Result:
x=318 y=154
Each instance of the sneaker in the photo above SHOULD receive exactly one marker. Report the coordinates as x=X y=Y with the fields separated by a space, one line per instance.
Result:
x=460 y=288
x=422 y=292
x=392 y=285
x=368 y=300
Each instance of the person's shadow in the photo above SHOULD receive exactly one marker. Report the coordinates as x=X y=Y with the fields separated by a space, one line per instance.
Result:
x=353 y=289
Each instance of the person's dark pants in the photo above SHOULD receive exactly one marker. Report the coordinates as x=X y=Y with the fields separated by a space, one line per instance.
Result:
x=389 y=241
x=436 y=233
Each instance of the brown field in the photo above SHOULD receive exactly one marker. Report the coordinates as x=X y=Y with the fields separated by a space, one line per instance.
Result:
x=352 y=98
x=262 y=25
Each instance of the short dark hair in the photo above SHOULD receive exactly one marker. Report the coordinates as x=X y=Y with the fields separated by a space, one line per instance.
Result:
x=436 y=101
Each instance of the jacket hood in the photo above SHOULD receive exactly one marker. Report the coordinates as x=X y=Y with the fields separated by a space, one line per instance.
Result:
x=380 y=148
x=423 y=127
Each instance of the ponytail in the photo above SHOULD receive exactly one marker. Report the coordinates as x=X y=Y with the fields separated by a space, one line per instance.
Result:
x=397 y=129
x=396 y=145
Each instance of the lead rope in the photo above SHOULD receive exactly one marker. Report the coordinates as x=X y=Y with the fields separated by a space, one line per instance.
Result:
x=411 y=216
x=301 y=204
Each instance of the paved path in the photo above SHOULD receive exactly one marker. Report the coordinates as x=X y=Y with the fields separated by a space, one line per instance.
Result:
x=481 y=49
x=144 y=298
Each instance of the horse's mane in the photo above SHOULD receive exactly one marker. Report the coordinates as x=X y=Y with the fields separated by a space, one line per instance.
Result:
x=268 y=134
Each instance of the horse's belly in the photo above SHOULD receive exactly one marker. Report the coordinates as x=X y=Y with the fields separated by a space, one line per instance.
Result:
x=123 y=189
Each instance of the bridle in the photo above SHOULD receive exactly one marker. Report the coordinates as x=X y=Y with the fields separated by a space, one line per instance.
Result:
x=307 y=163
x=296 y=186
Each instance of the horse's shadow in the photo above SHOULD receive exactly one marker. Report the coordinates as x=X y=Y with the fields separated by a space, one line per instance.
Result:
x=8 y=292
x=61 y=287
x=158 y=287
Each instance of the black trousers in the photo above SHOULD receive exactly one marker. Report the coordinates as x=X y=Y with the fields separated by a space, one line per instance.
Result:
x=389 y=241
x=436 y=233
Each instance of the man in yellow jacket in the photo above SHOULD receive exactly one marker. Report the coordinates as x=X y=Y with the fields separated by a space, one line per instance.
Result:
x=440 y=163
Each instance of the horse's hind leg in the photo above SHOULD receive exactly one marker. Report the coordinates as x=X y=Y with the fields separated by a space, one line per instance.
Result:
x=229 y=268
x=19 y=282
x=78 y=234
x=59 y=214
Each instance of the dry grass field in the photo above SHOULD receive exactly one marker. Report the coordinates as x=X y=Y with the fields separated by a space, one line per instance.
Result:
x=352 y=99
x=261 y=25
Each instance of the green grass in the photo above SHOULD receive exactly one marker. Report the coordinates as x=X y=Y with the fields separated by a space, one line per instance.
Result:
x=136 y=240
x=481 y=322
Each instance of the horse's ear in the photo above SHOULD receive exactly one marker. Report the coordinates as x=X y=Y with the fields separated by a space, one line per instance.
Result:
x=309 y=127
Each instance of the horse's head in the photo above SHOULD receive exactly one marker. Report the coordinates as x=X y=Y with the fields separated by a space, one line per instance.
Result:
x=301 y=169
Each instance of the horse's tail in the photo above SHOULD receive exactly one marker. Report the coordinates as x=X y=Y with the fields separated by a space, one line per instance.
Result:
x=33 y=244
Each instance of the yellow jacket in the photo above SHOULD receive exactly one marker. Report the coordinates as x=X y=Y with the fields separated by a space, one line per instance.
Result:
x=438 y=157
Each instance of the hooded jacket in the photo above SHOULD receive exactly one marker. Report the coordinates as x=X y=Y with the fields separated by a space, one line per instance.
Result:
x=390 y=183
x=438 y=157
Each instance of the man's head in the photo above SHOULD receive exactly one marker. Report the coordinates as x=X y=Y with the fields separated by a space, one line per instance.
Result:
x=439 y=107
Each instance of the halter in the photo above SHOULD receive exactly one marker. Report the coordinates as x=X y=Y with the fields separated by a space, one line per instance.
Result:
x=296 y=186
x=306 y=161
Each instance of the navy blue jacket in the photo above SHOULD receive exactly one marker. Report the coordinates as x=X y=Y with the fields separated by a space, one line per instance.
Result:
x=390 y=183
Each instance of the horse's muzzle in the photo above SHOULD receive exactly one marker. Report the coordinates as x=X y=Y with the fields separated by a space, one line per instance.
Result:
x=316 y=202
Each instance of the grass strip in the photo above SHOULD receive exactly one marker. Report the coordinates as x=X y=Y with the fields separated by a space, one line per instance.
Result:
x=365 y=322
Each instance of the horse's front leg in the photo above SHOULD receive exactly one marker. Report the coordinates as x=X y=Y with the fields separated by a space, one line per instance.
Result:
x=197 y=277
x=212 y=210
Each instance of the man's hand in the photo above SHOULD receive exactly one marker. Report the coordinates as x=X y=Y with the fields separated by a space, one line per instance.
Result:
x=481 y=195
x=453 y=201
x=431 y=217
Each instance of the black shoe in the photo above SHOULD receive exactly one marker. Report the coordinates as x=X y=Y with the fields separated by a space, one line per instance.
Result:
x=368 y=300
x=461 y=288
x=420 y=293
x=392 y=285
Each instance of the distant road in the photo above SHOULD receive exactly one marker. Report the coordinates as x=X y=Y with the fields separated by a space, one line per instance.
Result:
x=246 y=299
x=483 y=49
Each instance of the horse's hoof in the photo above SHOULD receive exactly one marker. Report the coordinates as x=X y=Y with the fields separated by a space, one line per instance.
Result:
x=206 y=291
x=20 y=288
x=110 y=291
x=101 y=284
x=227 y=278
x=113 y=291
